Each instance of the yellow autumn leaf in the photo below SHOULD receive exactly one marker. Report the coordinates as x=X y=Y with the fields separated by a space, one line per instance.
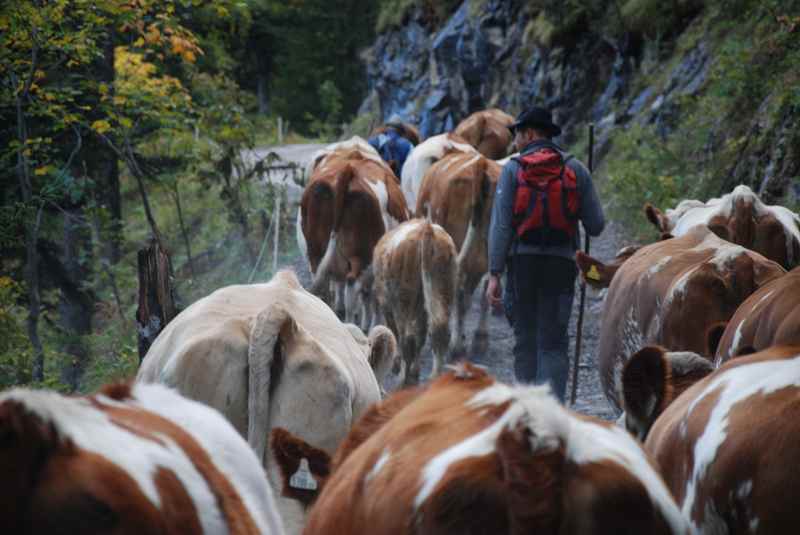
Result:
x=39 y=171
x=188 y=56
x=177 y=44
x=101 y=126
x=103 y=88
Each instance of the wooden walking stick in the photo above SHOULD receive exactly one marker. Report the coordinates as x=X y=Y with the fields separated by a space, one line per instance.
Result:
x=579 y=330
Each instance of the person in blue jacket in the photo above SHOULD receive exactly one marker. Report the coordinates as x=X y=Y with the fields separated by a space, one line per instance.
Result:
x=392 y=145
x=540 y=277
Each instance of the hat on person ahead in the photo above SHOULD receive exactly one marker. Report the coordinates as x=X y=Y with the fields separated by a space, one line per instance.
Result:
x=538 y=118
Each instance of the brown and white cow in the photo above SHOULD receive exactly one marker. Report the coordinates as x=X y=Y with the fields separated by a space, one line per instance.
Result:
x=769 y=317
x=467 y=454
x=423 y=156
x=351 y=200
x=739 y=217
x=671 y=293
x=488 y=132
x=458 y=193
x=408 y=131
x=127 y=460
x=354 y=143
x=727 y=445
x=273 y=355
x=415 y=290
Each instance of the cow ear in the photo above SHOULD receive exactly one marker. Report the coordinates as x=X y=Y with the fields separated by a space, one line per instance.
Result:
x=713 y=336
x=644 y=383
x=382 y=352
x=594 y=272
x=26 y=444
x=303 y=467
x=655 y=217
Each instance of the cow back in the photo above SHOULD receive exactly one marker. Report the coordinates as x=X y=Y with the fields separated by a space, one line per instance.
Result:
x=670 y=293
x=128 y=460
x=742 y=218
x=488 y=132
x=710 y=444
x=467 y=454
x=769 y=317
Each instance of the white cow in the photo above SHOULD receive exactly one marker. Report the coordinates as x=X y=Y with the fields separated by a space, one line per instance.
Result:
x=422 y=157
x=273 y=355
x=739 y=217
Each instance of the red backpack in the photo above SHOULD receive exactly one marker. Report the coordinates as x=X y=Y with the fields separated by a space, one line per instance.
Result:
x=546 y=203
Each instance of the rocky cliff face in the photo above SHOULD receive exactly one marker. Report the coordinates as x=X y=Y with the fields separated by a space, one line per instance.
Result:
x=491 y=54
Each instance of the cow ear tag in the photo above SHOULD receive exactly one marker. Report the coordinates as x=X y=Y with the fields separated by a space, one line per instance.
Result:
x=593 y=274
x=302 y=479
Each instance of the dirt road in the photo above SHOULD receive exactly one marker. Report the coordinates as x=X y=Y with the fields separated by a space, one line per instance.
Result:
x=498 y=356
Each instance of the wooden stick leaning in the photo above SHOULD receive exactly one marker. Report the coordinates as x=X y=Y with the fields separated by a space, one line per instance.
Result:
x=579 y=328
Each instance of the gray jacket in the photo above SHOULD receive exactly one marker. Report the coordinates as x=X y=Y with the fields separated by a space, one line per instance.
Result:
x=502 y=234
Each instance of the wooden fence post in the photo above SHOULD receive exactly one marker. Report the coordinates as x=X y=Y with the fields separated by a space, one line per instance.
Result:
x=278 y=195
x=156 y=295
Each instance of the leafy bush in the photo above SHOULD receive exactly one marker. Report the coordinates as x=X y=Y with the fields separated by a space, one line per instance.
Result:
x=15 y=349
x=392 y=13
x=645 y=168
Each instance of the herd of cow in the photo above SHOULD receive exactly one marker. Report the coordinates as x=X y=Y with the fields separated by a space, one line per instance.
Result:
x=258 y=410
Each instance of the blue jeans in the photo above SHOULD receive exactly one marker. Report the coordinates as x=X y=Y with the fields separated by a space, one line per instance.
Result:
x=538 y=301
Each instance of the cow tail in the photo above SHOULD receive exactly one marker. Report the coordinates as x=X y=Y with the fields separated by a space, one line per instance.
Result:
x=479 y=200
x=439 y=272
x=340 y=194
x=265 y=331
x=480 y=131
x=745 y=221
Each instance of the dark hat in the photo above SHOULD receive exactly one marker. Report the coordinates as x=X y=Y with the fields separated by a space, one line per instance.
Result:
x=538 y=118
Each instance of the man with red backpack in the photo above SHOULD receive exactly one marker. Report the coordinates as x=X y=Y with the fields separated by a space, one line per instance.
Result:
x=541 y=197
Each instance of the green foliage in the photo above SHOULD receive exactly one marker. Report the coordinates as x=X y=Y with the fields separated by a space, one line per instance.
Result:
x=645 y=168
x=15 y=350
x=655 y=18
x=754 y=76
x=318 y=77
x=392 y=13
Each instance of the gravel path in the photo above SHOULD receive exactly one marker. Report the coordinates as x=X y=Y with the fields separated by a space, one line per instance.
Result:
x=498 y=356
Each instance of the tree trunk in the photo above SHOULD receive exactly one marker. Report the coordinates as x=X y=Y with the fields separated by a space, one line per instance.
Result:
x=156 y=296
x=177 y=197
x=236 y=213
x=263 y=106
x=76 y=302
x=105 y=167
x=31 y=228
